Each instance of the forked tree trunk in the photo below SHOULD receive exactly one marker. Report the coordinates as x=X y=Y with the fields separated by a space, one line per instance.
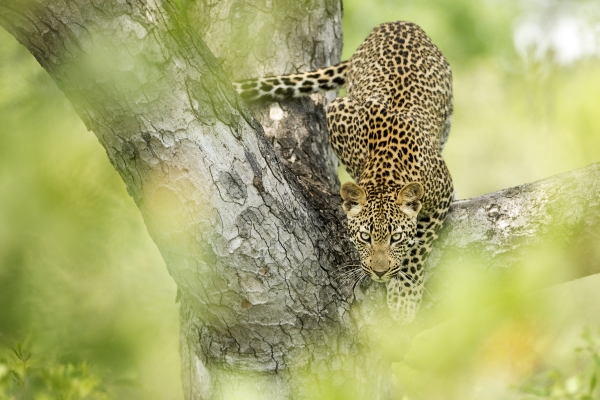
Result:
x=248 y=219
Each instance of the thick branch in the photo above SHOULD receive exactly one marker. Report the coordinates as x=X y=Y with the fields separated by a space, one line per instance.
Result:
x=500 y=230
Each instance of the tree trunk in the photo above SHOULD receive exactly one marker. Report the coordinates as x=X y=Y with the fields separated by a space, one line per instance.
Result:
x=247 y=220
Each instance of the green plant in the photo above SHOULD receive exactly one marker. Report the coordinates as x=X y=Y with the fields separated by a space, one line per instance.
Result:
x=46 y=379
x=19 y=375
x=578 y=384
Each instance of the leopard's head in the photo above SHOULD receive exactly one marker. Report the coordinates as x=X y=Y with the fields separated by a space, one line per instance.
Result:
x=383 y=226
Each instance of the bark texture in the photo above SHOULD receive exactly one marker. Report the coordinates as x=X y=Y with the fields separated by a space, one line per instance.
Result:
x=503 y=232
x=248 y=220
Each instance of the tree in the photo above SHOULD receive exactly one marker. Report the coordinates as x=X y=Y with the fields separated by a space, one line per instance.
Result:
x=247 y=218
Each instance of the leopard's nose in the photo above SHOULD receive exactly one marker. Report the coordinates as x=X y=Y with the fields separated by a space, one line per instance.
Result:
x=379 y=274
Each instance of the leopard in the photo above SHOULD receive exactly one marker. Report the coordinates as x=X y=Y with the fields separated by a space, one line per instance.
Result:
x=388 y=131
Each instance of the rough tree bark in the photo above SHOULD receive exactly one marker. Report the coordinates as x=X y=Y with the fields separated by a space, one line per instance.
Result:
x=248 y=219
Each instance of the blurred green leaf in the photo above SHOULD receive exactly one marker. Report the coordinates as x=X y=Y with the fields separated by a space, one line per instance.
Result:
x=79 y=276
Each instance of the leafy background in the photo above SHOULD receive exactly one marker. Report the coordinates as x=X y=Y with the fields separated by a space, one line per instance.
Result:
x=84 y=291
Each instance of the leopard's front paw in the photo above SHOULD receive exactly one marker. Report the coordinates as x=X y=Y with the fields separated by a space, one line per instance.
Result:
x=404 y=299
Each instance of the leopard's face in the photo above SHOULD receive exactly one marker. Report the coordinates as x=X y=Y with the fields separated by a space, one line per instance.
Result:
x=383 y=227
x=382 y=234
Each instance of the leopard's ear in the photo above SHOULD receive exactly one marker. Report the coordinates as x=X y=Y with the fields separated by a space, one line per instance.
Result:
x=354 y=198
x=408 y=198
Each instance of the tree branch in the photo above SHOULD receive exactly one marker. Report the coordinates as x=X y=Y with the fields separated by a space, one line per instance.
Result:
x=500 y=230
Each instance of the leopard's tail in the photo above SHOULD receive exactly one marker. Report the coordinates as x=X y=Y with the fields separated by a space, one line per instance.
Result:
x=275 y=88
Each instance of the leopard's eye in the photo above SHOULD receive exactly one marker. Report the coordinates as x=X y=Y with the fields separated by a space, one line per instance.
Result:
x=365 y=236
x=396 y=237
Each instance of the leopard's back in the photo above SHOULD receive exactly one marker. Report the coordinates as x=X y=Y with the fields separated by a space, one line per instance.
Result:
x=399 y=66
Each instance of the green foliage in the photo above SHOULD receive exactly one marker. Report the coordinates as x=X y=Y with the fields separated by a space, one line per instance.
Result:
x=20 y=375
x=467 y=31
x=23 y=377
x=577 y=383
x=79 y=274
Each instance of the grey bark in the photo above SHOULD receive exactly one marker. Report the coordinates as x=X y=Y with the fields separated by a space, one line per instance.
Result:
x=495 y=232
x=248 y=220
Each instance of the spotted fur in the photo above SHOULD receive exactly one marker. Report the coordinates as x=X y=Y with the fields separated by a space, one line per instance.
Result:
x=389 y=132
x=283 y=87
